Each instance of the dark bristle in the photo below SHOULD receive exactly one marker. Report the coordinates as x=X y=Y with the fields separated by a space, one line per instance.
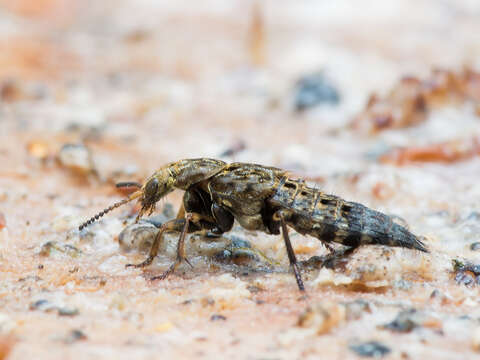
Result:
x=127 y=184
x=419 y=245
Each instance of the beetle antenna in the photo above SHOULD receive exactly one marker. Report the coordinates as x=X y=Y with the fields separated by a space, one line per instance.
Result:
x=133 y=196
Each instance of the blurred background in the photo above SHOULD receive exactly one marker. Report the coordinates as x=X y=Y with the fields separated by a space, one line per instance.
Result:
x=377 y=101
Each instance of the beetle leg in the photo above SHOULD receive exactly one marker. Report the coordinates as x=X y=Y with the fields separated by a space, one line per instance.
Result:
x=189 y=217
x=280 y=216
x=172 y=225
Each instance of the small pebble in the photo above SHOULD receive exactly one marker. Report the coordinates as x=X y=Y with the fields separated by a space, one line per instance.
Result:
x=217 y=317
x=40 y=305
x=137 y=236
x=437 y=294
x=370 y=349
x=238 y=242
x=77 y=158
x=315 y=89
x=403 y=323
x=355 y=309
x=322 y=317
x=38 y=149
x=74 y=336
x=464 y=278
x=236 y=147
x=466 y=273
x=51 y=246
x=475 y=246
x=67 y=311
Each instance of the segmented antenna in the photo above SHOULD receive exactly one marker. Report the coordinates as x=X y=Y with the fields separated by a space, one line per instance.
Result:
x=133 y=196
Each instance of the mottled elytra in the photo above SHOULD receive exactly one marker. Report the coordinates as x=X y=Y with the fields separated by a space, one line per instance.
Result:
x=259 y=198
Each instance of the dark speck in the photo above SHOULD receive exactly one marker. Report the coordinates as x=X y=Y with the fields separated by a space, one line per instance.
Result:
x=402 y=323
x=239 y=242
x=465 y=278
x=254 y=289
x=217 y=317
x=315 y=89
x=74 y=336
x=476 y=269
x=474 y=215
x=370 y=349
x=466 y=273
x=39 y=305
x=67 y=311
x=475 y=246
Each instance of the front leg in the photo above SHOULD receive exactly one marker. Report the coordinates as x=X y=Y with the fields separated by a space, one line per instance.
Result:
x=175 y=225
x=180 y=250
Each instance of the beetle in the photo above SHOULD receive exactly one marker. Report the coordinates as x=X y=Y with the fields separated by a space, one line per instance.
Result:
x=260 y=198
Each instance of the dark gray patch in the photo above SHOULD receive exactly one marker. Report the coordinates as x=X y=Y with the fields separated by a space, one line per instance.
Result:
x=370 y=349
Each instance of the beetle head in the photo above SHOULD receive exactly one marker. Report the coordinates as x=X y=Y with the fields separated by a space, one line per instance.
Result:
x=156 y=187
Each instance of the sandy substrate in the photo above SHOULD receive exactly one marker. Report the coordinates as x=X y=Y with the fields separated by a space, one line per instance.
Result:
x=98 y=92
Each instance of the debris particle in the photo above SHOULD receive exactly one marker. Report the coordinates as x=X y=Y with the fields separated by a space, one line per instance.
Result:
x=370 y=349
x=67 y=311
x=440 y=296
x=254 y=289
x=39 y=149
x=46 y=306
x=235 y=148
x=77 y=158
x=10 y=91
x=355 y=309
x=54 y=246
x=446 y=152
x=409 y=102
x=403 y=323
x=216 y=317
x=3 y=221
x=322 y=317
x=475 y=246
x=74 y=336
x=315 y=89
x=465 y=278
x=40 y=305
x=241 y=252
x=207 y=301
x=137 y=236
x=466 y=273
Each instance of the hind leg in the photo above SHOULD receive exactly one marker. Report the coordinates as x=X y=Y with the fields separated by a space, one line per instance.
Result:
x=281 y=215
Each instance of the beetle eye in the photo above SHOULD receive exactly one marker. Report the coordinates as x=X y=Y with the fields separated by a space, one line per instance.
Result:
x=151 y=190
